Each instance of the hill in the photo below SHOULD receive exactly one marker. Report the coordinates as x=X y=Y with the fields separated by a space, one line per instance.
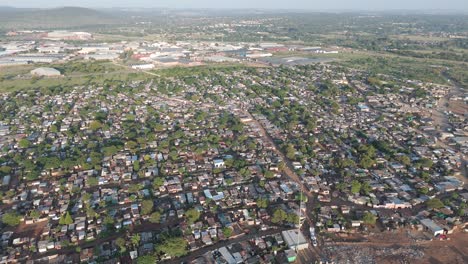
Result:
x=65 y=17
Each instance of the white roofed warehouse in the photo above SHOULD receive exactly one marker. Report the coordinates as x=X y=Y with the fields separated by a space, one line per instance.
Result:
x=48 y=72
x=295 y=239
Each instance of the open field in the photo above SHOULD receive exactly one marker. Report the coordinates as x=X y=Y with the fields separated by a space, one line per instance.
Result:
x=75 y=74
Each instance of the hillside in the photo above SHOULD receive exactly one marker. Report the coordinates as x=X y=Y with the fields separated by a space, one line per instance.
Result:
x=65 y=17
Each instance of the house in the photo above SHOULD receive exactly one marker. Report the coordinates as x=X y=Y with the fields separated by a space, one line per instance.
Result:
x=218 y=163
x=432 y=227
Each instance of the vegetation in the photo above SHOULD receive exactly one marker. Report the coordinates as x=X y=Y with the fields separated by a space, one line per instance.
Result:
x=173 y=247
x=11 y=219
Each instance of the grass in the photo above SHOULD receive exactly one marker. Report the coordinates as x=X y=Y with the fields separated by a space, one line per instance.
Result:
x=197 y=70
x=17 y=78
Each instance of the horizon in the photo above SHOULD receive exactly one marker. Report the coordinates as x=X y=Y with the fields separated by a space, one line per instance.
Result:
x=291 y=10
x=292 y=5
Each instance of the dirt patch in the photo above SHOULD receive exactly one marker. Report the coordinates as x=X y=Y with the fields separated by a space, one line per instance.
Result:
x=400 y=247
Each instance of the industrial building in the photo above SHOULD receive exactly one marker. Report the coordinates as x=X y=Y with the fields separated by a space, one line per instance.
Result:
x=48 y=72
x=295 y=239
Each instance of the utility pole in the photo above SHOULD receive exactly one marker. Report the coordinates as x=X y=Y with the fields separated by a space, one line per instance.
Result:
x=299 y=223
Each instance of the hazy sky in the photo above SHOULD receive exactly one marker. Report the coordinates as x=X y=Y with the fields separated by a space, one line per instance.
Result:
x=460 y=5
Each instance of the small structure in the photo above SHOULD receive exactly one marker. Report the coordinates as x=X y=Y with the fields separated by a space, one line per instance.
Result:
x=218 y=163
x=143 y=67
x=43 y=71
x=432 y=227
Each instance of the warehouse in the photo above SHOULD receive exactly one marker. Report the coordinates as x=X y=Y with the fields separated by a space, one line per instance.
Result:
x=294 y=239
x=45 y=72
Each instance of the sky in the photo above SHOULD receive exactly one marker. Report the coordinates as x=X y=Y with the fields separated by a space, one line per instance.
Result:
x=459 y=5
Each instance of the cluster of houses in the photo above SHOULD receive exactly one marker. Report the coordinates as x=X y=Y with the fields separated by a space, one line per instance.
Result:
x=80 y=166
x=101 y=192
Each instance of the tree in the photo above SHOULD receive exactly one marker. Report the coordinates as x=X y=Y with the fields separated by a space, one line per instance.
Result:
x=158 y=182
x=227 y=232
x=435 y=203
x=35 y=214
x=424 y=190
x=5 y=169
x=369 y=218
x=173 y=247
x=366 y=188
x=405 y=160
x=279 y=216
x=425 y=163
x=269 y=174
x=66 y=219
x=262 y=203
x=282 y=166
x=192 y=215
x=121 y=243
x=146 y=259
x=135 y=239
x=290 y=152
x=95 y=125
x=366 y=162
x=92 y=181
x=147 y=207
x=355 y=187
x=11 y=219
x=155 y=217
x=136 y=165
x=292 y=218
x=24 y=143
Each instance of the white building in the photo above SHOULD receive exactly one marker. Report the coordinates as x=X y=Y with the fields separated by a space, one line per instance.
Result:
x=143 y=67
x=45 y=72
x=294 y=238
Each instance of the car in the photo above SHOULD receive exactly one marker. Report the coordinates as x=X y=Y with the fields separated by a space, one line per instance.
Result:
x=314 y=242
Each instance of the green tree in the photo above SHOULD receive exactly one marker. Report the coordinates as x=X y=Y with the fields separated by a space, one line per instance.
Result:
x=173 y=247
x=135 y=239
x=269 y=174
x=136 y=165
x=155 y=217
x=424 y=190
x=366 y=162
x=355 y=187
x=95 y=125
x=158 y=182
x=279 y=215
x=92 y=181
x=369 y=218
x=146 y=259
x=292 y=218
x=435 y=203
x=227 y=232
x=262 y=203
x=24 y=143
x=11 y=219
x=5 y=169
x=35 y=214
x=425 y=163
x=405 y=160
x=147 y=207
x=192 y=215
x=121 y=243
x=290 y=152
x=366 y=188
x=66 y=219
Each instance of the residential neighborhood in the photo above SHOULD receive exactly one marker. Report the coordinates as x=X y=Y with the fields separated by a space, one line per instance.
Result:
x=227 y=138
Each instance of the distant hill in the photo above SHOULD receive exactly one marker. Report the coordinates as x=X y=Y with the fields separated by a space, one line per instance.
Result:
x=65 y=17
